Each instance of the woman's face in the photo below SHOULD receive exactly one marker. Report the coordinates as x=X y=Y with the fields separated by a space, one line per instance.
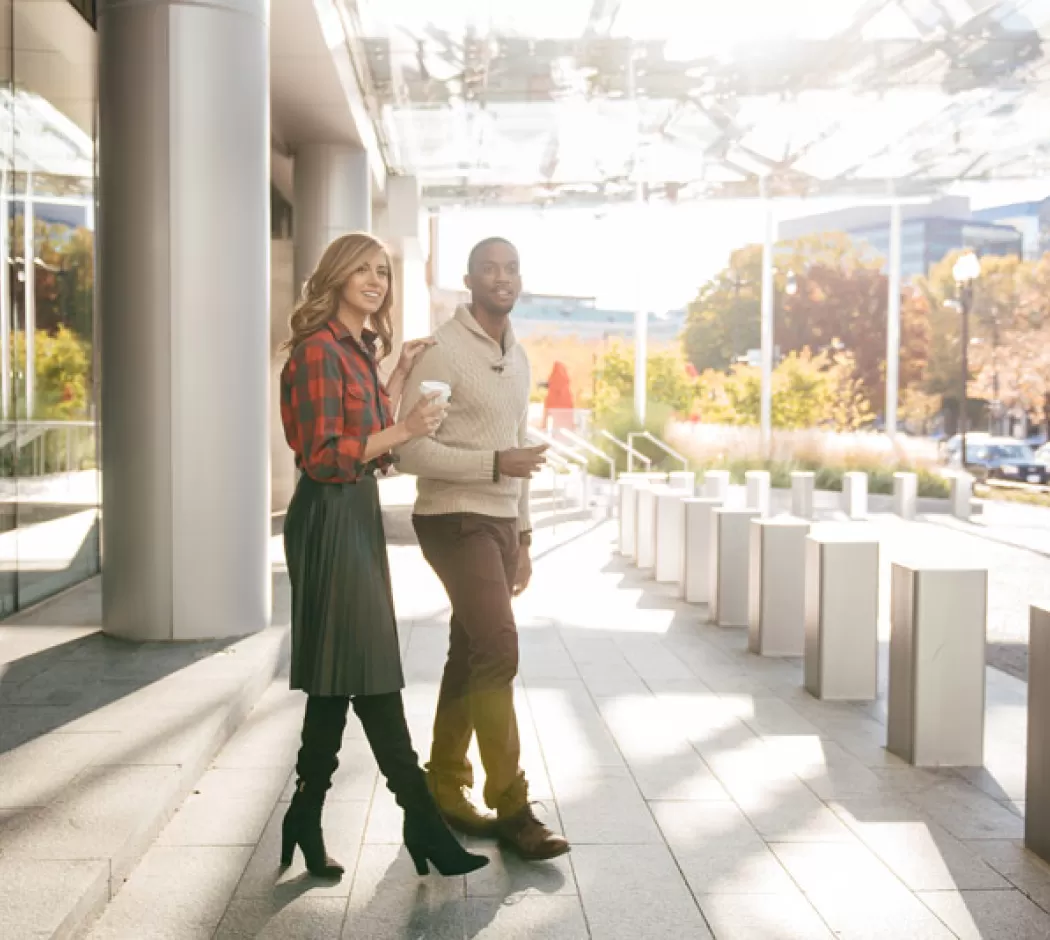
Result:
x=367 y=287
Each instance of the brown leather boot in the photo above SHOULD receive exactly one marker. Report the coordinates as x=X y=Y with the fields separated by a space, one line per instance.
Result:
x=532 y=840
x=460 y=811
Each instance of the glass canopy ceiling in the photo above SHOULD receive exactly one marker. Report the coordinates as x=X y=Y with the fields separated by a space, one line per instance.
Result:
x=494 y=102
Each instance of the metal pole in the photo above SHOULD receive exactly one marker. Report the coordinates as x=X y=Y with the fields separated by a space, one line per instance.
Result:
x=766 y=332
x=29 y=295
x=5 y=299
x=893 y=322
x=966 y=296
x=641 y=313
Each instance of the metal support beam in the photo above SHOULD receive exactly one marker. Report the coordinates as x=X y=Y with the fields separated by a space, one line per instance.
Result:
x=893 y=322
x=766 y=331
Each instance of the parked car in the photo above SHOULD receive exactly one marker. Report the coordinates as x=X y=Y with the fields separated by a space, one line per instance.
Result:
x=1043 y=455
x=1000 y=458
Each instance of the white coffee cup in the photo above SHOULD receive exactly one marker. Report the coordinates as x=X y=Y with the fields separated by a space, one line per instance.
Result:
x=443 y=389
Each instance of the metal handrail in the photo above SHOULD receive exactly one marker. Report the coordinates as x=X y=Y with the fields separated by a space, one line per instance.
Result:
x=590 y=448
x=628 y=449
x=562 y=450
x=655 y=440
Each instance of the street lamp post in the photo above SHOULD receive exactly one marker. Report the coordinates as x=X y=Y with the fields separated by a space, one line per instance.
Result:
x=965 y=271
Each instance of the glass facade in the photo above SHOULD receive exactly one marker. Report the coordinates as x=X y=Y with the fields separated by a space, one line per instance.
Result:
x=49 y=468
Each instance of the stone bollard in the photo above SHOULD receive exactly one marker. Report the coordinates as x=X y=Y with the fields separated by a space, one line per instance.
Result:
x=777 y=587
x=935 y=710
x=855 y=495
x=716 y=485
x=803 y=484
x=905 y=495
x=1037 y=785
x=645 y=529
x=696 y=574
x=842 y=615
x=670 y=536
x=628 y=499
x=757 y=482
x=683 y=481
x=729 y=566
x=962 y=496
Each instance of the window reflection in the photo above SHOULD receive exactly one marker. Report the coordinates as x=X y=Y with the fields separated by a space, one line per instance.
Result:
x=49 y=479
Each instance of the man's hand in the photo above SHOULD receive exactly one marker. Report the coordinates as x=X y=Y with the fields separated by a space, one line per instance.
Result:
x=521 y=462
x=524 y=573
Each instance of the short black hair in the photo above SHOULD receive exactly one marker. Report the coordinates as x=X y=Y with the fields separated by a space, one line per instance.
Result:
x=472 y=258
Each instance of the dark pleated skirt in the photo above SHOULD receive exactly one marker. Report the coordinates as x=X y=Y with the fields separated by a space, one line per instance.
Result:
x=344 y=635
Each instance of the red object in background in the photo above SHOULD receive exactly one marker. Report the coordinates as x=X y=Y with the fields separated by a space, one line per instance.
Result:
x=690 y=370
x=559 y=397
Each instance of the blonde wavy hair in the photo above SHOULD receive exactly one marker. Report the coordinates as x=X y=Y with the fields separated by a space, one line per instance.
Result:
x=319 y=300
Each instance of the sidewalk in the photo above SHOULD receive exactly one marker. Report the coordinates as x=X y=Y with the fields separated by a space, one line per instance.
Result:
x=704 y=792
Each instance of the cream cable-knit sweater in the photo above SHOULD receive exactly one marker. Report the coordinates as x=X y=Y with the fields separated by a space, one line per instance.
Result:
x=488 y=413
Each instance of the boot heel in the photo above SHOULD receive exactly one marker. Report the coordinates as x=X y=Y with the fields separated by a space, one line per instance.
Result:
x=419 y=859
x=287 y=848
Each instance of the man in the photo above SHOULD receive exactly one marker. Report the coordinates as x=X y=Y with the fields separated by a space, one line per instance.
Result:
x=472 y=520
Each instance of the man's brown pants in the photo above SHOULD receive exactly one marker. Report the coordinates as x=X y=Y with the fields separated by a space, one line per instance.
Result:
x=476 y=558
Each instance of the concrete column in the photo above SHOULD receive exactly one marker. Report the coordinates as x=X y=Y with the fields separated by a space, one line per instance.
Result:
x=893 y=322
x=696 y=574
x=406 y=231
x=628 y=496
x=670 y=536
x=757 y=482
x=842 y=614
x=935 y=707
x=1037 y=788
x=905 y=494
x=184 y=284
x=333 y=196
x=855 y=495
x=282 y=300
x=962 y=495
x=777 y=587
x=716 y=485
x=645 y=528
x=683 y=480
x=802 y=487
x=729 y=566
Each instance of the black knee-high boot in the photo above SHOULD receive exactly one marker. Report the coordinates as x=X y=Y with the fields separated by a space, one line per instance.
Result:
x=323 y=726
x=427 y=837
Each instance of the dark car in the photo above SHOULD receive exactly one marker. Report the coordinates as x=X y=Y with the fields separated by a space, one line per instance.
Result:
x=1004 y=459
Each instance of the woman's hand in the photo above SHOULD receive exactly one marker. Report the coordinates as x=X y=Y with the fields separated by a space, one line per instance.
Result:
x=410 y=352
x=426 y=417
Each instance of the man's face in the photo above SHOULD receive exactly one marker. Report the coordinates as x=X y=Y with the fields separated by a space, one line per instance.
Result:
x=495 y=280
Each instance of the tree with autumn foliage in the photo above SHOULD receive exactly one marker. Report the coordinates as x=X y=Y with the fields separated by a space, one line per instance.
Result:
x=839 y=305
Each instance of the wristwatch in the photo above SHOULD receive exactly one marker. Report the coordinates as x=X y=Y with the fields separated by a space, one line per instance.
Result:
x=525 y=538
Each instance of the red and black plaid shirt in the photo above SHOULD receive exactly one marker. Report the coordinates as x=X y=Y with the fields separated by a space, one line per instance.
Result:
x=331 y=402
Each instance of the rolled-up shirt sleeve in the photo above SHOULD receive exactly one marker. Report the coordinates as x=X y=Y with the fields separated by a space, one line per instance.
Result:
x=319 y=411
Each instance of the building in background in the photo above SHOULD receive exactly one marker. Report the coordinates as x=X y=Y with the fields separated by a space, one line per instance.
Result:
x=1031 y=219
x=928 y=232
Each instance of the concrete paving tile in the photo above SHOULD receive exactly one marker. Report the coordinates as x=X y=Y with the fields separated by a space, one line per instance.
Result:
x=787 y=916
x=263 y=879
x=967 y=813
x=635 y=891
x=788 y=812
x=100 y=815
x=989 y=915
x=42 y=899
x=38 y=771
x=508 y=876
x=269 y=737
x=605 y=811
x=604 y=679
x=302 y=918
x=544 y=918
x=179 y=893
x=718 y=850
x=824 y=766
x=215 y=817
x=391 y=902
x=1009 y=856
x=856 y=895
x=920 y=852
x=354 y=780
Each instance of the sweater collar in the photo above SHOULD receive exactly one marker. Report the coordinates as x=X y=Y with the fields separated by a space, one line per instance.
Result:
x=464 y=316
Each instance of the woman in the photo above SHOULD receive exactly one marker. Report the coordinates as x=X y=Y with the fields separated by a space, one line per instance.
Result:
x=337 y=419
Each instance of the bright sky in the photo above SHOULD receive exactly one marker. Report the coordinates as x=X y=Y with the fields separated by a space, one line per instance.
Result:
x=662 y=253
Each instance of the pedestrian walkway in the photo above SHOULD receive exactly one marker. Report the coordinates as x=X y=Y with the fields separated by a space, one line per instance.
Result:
x=704 y=792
